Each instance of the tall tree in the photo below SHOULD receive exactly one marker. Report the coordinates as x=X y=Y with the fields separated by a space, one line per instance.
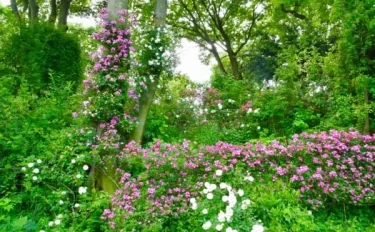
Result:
x=356 y=54
x=147 y=96
x=219 y=25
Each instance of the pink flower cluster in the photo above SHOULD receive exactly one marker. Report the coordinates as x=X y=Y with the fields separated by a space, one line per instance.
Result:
x=115 y=37
x=334 y=167
x=108 y=84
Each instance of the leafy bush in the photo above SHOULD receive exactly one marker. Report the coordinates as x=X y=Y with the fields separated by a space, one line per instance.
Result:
x=37 y=53
x=322 y=168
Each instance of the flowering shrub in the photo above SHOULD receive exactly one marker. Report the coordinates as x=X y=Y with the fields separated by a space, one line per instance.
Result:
x=109 y=89
x=328 y=167
x=224 y=208
x=174 y=174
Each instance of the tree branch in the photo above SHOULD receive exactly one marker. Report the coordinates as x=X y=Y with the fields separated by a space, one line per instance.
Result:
x=249 y=32
x=293 y=12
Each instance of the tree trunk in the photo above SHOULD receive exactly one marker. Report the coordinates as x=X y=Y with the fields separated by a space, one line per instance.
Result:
x=63 y=14
x=218 y=59
x=14 y=7
x=233 y=59
x=25 y=6
x=160 y=13
x=106 y=178
x=234 y=65
x=148 y=96
x=115 y=5
x=33 y=11
x=145 y=104
x=53 y=15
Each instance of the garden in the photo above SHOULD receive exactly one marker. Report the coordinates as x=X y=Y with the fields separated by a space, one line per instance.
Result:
x=99 y=131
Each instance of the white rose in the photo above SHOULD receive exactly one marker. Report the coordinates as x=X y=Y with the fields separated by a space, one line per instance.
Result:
x=219 y=227
x=212 y=187
x=219 y=172
x=240 y=192
x=221 y=216
x=82 y=190
x=257 y=228
x=207 y=225
x=249 y=178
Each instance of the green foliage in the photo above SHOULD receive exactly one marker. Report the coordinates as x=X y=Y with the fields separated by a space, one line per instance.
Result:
x=41 y=69
x=35 y=53
x=307 y=67
x=278 y=206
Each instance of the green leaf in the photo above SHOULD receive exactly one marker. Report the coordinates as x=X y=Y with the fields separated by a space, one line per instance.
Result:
x=19 y=223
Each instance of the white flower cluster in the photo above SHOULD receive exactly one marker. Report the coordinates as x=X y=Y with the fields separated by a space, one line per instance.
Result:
x=257 y=228
x=233 y=198
x=163 y=52
x=231 y=202
x=56 y=222
x=219 y=172
x=82 y=190
x=249 y=178
x=253 y=111
x=209 y=189
x=194 y=204
x=35 y=171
